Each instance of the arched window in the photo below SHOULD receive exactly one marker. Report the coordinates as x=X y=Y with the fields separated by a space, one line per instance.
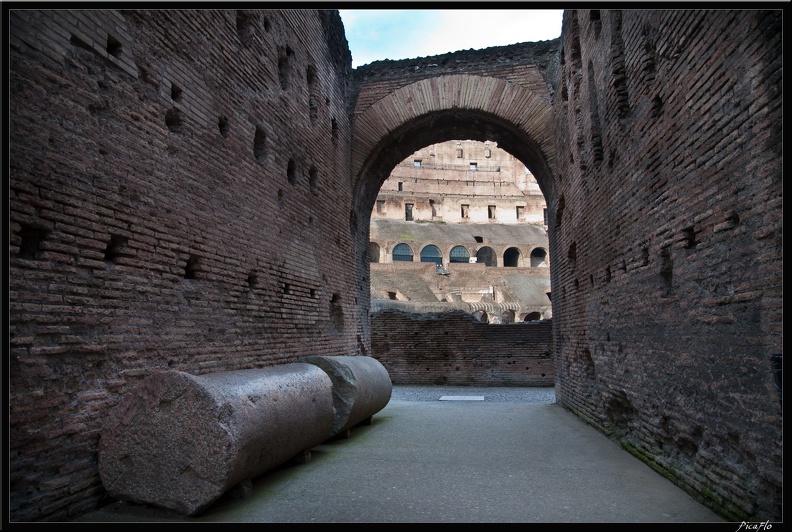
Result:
x=511 y=257
x=402 y=252
x=459 y=254
x=538 y=258
x=507 y=316
x=374 y=252
x=431 y=254
x=533 y=316
x=481 y=316
x=486 y=255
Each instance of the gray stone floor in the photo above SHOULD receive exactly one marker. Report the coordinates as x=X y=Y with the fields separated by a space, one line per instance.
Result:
x=515 y=457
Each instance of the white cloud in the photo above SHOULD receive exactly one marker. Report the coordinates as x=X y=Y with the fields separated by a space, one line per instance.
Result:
x=464 y=29
x=400 y=34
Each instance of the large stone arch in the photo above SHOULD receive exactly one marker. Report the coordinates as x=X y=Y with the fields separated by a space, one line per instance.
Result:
x=435 y=110
x=446 y=108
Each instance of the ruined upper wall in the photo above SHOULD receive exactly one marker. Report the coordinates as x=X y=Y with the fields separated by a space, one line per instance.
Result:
x=533 y=65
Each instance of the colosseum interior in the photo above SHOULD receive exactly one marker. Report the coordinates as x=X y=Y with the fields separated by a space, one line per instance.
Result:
x=193 y=190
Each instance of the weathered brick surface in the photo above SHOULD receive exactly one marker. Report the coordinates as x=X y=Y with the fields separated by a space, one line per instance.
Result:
x=147 y=235
x=666 y=244
x=453 y=348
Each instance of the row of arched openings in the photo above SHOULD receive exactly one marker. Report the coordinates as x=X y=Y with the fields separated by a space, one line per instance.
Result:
x=460 y=254
x=507 y=316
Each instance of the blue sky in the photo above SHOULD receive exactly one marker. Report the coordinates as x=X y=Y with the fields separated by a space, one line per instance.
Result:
x=376 y=34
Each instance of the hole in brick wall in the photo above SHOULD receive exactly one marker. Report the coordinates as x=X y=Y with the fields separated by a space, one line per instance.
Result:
x=313 y=179
x=260 y=145
x=291 y=172
x=280 y=193
x=222 y=123
x=572 y=252
x=479 y=239
x=313 y=108
x=266 y=24
x=623 y=266
x=245 y=22
x=644 y=256
x=313 y=293
x=284 y=57
x=30 y=246
x=689 y=238
x=287 y=288
x=577 y=284
x=596 y=127
x=191 y=269
x=619 y=409
x=173 y=120
x=113 y=46
x=79 y=43
x=591 y=280
x=560 y=211
x=596 y=23
x=648 y=61
x=334 y=130
x=336 y=315
x=608 y=274
x=176 y=93
x=666 y=268
x=252 y=281
x=313 y=99
x=733 y=220
x=688 y=441
x=657 y=107
x=114 y=248
x=564 y=93
x=588 y=363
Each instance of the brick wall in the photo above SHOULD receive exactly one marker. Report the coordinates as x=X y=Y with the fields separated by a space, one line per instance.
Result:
x=453 y=348
x=178 y=183
x=666 y=244
x=184 y=194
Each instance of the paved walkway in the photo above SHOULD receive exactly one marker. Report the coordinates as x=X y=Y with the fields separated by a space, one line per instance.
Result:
x=513 y=456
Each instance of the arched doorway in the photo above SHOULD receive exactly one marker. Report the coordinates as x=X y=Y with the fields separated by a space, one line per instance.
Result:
x=374 y=252
x=511 y=258
x=486 y=255
x=402 y=253
x=391 y=124
x=459 y=254
x=538 y=258
x=432 y=253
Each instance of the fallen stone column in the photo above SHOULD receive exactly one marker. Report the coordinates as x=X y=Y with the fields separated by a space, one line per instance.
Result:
x=361 y=388
x=180 y=441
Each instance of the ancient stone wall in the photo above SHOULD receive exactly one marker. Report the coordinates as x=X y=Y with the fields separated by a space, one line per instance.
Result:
x=532 y=65
x=179 y=188
x=454 y=349
x=666 y=244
